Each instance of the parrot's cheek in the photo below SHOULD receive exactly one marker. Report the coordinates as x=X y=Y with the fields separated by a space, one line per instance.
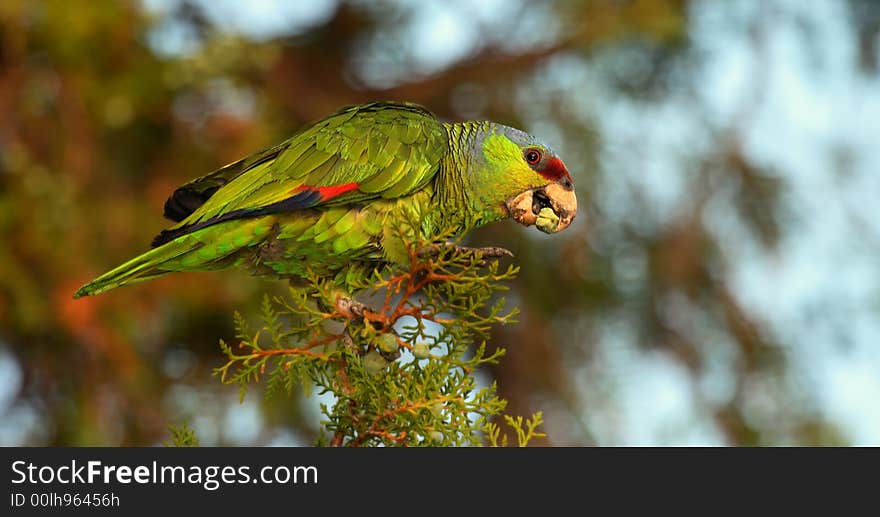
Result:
x=551 y=208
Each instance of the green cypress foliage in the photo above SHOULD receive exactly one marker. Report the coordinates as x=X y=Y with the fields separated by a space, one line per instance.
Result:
x=400 y=366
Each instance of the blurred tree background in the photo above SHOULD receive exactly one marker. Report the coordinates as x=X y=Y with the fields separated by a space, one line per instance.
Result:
x=720 y=285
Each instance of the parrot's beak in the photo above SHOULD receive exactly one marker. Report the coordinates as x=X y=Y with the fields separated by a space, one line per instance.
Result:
x=551 y=208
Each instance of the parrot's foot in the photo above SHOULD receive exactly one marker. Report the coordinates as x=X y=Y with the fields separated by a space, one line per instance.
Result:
x=487 y=252
x=350 y=308
x=353 y=309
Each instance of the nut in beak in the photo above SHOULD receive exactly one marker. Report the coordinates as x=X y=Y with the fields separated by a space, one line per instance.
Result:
x=551 y=208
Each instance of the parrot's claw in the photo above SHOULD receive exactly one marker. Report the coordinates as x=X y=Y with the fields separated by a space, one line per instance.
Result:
x=350 y=308
x=487 y=252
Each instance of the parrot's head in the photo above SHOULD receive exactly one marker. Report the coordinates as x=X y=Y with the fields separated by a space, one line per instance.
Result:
x=535 y=185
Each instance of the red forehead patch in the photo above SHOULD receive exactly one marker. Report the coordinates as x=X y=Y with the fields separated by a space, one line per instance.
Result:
x=555 y=170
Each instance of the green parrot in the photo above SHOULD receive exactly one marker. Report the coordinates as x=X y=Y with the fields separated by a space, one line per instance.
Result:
x=331 y=196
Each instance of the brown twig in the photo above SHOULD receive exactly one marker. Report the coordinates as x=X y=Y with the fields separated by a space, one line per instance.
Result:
x=374 y=430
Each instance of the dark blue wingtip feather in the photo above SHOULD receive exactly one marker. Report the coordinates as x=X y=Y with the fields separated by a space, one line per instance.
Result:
x=305 y=199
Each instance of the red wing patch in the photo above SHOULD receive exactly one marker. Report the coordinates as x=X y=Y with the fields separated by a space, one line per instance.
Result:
x=327 y=193
x=302 y=197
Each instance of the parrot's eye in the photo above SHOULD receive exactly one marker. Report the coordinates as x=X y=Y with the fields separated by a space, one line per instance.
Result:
x=533 y=156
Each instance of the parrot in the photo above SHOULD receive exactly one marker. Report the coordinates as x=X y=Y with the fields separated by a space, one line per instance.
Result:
x=333 y=195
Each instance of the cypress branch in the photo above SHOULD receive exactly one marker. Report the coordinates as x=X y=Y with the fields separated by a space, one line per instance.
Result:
x=401 y=370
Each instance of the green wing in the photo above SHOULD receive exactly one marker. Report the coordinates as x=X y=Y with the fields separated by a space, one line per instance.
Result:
x=371 y=151
x=189 y=197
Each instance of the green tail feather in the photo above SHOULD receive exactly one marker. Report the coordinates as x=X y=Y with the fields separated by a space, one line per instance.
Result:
x=138 y=269
x=210 y=248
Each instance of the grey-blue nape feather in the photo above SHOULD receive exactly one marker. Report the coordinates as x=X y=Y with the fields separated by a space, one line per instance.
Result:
x=523 y=139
